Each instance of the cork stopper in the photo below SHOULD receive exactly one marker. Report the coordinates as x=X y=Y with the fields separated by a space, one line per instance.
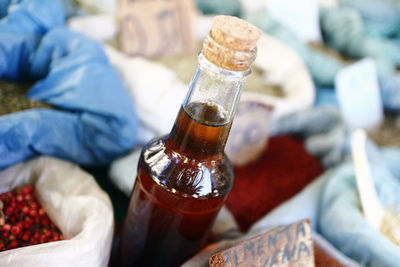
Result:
x=231 y=43
x=235 y=33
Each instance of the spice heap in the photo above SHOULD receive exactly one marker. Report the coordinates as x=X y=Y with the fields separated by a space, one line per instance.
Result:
x=13 y=99
x=390 y=226
x=388 y=133
x=23 y=221
x=323 y=259
x=282 y=171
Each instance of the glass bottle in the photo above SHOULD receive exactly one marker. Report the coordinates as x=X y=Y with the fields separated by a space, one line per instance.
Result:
x=184 y=177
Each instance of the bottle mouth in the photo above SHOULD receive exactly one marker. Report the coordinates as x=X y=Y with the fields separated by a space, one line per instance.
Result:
x=233 y=75
x=226 y=57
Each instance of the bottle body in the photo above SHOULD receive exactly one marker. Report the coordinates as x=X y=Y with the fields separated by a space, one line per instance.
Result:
x=183 y=180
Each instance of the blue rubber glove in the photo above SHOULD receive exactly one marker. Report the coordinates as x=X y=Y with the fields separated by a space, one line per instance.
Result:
x=96 y=121
x=4 y=7
x=21 y=31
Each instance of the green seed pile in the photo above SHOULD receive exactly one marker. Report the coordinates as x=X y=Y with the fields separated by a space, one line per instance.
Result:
x=13 y=99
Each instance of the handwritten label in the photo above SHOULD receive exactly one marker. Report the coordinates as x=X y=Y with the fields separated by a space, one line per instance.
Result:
x=249 y=134
x=358 y=94
x=289 y=245
x=154 y=28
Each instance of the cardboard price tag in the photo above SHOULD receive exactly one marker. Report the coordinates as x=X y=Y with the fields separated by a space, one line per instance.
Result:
x=289 y=245
x=154 y=28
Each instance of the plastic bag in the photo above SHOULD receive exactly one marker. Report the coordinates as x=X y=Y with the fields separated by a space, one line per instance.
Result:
x=96 y=121
x=75 y=203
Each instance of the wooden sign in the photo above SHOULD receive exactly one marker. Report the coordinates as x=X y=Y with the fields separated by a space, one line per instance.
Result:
x=154 y=28
x=289 y=245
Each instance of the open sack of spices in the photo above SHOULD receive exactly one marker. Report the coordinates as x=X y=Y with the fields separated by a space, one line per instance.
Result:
x=74 y=204
x=85 y=114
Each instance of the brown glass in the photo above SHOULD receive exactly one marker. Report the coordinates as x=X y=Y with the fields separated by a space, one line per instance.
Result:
x=183 y=180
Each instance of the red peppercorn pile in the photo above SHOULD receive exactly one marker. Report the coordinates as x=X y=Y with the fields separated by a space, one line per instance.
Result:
x=23 y=221
x=282 y=171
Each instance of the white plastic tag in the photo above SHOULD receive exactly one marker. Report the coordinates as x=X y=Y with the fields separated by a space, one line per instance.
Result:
x=358 y=94
x=302 y=17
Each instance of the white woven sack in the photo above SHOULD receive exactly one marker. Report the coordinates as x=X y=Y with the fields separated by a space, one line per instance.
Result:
x=75 y=203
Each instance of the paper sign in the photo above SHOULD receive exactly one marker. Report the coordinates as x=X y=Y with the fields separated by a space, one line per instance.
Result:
x=154 y=28
x=289 y=245
x=358 y=95
x=301 y=17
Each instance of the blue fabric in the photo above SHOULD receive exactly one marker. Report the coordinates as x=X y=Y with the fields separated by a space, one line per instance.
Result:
x=95 y=121
x=4 y=7
x=345 y=31
x=221 y=7
x=341 y=220
x=381 y=17
x=326 y=96
x=323 y=68
x=390 y=92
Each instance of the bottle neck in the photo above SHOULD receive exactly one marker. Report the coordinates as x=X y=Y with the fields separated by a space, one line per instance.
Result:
x=204 y=121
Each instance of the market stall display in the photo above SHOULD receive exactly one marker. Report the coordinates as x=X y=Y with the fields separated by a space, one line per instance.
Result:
x=67 y=89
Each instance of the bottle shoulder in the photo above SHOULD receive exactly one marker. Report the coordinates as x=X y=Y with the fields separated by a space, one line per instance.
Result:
x=186 y=174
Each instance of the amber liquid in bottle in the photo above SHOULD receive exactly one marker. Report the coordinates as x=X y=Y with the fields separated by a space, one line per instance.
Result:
x=183 y=180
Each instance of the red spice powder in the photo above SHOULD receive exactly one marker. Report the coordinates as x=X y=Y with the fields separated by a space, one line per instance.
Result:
x=322 y=259
x=282 y=171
